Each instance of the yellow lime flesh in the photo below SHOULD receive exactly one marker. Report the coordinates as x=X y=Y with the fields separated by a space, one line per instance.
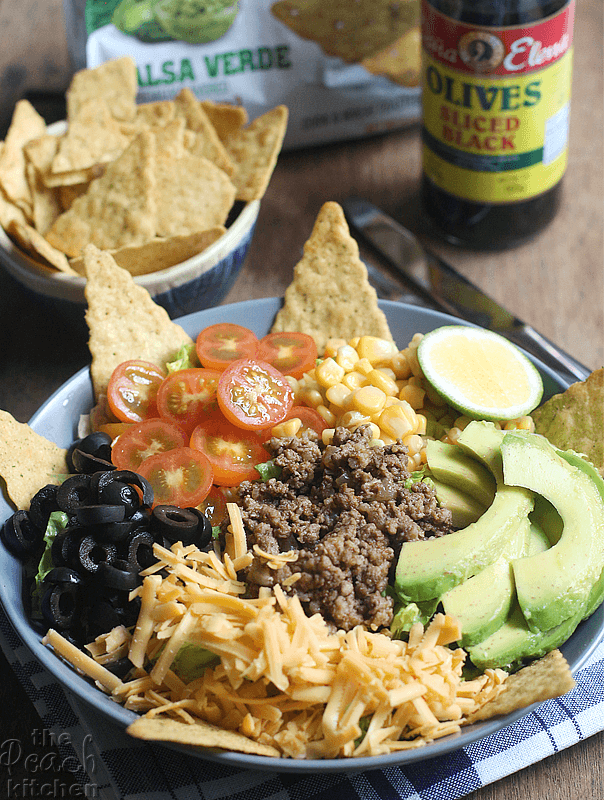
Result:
x=479 y=372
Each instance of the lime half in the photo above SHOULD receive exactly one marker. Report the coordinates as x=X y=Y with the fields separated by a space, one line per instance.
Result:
x=479 y=372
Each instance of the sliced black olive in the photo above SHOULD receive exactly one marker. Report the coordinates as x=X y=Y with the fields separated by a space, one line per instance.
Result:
x=141 y=518
x=60 y=604
x=120 y=668
x=62 y=575
x=186 y=525
x=91 y=554
x=65 y=546
x=119 y=493
x=99 y=514
x=114 y=531
x=140 y=550
x=96 y=444
x=102 y=617
x=74 y=492
x=126 y=476
x=120 y=575
x=20 y=536
x=87 y=464
x=42 y=504
x=131 y=611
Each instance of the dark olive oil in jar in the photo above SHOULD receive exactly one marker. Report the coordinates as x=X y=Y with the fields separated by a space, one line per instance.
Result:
x=496 y=101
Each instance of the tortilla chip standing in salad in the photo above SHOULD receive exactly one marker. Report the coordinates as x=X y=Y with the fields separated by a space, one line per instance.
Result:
x=123 y=320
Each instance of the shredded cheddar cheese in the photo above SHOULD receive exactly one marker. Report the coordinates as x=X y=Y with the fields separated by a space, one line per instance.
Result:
x=283 y=678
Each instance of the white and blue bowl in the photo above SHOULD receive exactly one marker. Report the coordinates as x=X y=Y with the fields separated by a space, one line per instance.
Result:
x=200 y=282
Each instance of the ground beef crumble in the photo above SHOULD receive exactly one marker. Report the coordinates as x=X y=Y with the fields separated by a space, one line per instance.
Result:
x=346 y=508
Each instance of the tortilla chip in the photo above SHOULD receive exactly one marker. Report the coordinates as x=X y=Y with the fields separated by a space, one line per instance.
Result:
x=67 y=194
x=330 y=295
x=574 y=420
x=255 y=150
x=156 y=113
x=41 y=151
x=114 y=82
x=159 y=254
x=542 y=680
x=400 y=61
x=170 y=138
x=33 y=242
x=206 y=143
x=351 y=30
x=9 y=211
x=92 y=138
x=192 y=195
x=119 y=209
x=225 y=118
x=123 y=320
x=46 y=205
x=28 y=460
x=199 y=734
x=26 y=124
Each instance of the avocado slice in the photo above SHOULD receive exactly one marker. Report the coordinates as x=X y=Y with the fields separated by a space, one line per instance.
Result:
x=464 y=508
x=450 y=465
x=547 y=518
x=482 y=603
x=482 y=440
x=513 y=642
x=538 y=538
x=555 y=585
x=429 y=568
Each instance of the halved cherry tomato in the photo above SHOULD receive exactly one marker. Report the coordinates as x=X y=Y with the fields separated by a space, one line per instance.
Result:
x=309 y=418
x=145 y=440
x=219 y=345
x=233 y=452
x=214 y=506
x=132 y=390
x=254 y=395
x=188 y=396
x=181 y=477
x=291 y=353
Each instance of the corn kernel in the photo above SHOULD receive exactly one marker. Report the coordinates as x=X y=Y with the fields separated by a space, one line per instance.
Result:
x=354 y=341
x=347 y=357
x=328 y=373
x=400 y=365
x=411 y=354
x=394 y=422
x=312 y=375
x=328 y=416
x=422 y=422
x=332 y=347
x=293 y=382
x=311 y=397
x=376 y=443
x=378 y=351
x=417 y=337
x=525 y=423
x=337 y=394
x=413 y=443
x=391 y=401
x=452 y=435
x=388 y=372
x=375 y=431
x=377 y=378
x=414 y=462
x=462 y=422
x=354 y=380
x=369 y=400
x=413 y=395
x=352 y=419
x=289 y=427
x=364 y=366
x=387 y=439
x=327 y=435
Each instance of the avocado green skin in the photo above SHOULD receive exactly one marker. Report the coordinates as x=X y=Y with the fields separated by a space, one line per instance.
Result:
x=482 y=603
x=450 y=465
x=596 y=596
x=429 y=568
x=513 y=642
x=555 y=585
x=464 y=508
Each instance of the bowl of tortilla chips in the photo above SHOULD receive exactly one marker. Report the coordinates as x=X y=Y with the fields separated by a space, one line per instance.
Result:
x=171 y=188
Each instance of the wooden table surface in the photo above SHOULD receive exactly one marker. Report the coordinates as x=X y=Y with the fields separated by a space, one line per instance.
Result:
x=555 y=282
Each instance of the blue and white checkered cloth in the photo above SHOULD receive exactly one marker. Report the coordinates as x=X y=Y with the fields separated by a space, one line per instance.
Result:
x=110 y=765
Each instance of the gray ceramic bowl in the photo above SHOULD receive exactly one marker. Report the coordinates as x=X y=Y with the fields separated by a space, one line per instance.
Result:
x=57 y=420
x=195 y=284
